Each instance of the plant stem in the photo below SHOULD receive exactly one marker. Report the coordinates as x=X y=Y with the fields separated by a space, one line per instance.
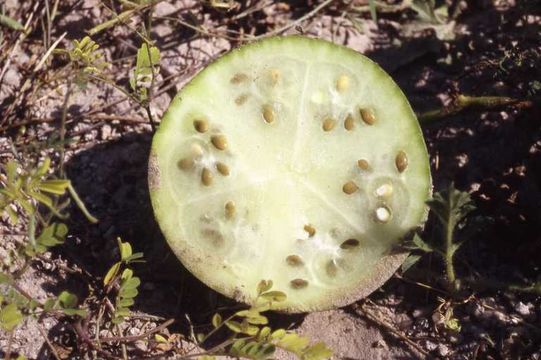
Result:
x=449 y=253
x=63 y=127
x=463 y=102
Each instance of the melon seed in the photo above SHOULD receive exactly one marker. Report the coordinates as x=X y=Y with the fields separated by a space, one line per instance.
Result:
x=401 y=161
x=230 y=209
x=275 y=76
x=350 y=187
x=310 y=230
x=363 y=164
x=239 y=78
x=219 y=142
x=349 y=244
x=222 y=168
x=349 y=123
x=342 y=84
x=298 y=283
x=206 y=177
x=328 y=124
x=294 y=260
x=185 y=164
x=241 y=99
x=201 y=125
x=368 y=116
x=383 y=214
x=268 y=114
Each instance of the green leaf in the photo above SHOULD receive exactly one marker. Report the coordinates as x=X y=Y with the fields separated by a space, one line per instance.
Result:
x=234 y=326
x=52 y=235
x=425 y=9
x=278 y=334
x=421 y=244
x=43 y=168
x=42 y=198
x=159 y=338
x=56 y=187
x=274 y=296
x=13 y=217
x=146 y=67
x=318 y=351
x=10 y=23
x=133 y=257
x=49 y=304
x=264 y=286
x=131 y=283
x=5 y=278
x=126 y=302
x=264 y=333
x=75 y=312
x=129 y=293
x=216 y=320
x=127 y=274
x=373 y=13
x=67 y=300
x=410 y=261
x=125 y=250
x=10 y=317
x=293 y=342
x=111 y=273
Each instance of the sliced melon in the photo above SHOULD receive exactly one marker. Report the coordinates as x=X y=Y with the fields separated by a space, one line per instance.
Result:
x=293 y=160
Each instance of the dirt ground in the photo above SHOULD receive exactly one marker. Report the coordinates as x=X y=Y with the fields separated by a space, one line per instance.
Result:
x=492 y=48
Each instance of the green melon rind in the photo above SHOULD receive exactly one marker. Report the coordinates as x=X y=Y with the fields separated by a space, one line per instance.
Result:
x=203 y=265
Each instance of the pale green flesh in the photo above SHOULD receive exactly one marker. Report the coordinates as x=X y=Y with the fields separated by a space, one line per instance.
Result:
x=288 y=173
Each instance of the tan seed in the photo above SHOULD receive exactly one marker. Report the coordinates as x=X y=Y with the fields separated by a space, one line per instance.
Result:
x=294 y=260
x=310 y=230
x=230 y=209
x=342 y=84
x=349 y=244
x=206 y=177
x=219 y=142
x=185 y=164
x=401 y=161
x=240 y=100
x=201 y=125
x=350 y=187
x=298 y=283
x=275 y=76
x=328 y=124
x=349 y=123
x=368 y=116
x=363 y=164
x=268 y=114
x=222 y=168
x=239 y=78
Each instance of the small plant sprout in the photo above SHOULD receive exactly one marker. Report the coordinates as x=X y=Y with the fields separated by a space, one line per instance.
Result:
x=309 y=181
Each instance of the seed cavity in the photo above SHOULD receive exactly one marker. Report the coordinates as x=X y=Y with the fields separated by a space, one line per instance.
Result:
x=310 y=230
x=384 y=191
x=239 y=78
x=383 y=214
x=185 y=164
x=298 y=283
x=294 y=260
x=222 y=168
x=206 y=177
x=219 y=142
x=268 y=113
x=363 y=164
x=368 y=116
x=401 y=161
x=240 y=100
x=342 y=84
x=275 y=76
x=349 y=123
x=197 y=150
x=328 y=124
x=350 y=187
x=201 y=125
x=349 y=244
x=230 y=209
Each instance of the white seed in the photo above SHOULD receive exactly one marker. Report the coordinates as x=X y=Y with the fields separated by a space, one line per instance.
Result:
x=384 y=190
x=342 y=84
x=219 y=142
x=383 y=214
